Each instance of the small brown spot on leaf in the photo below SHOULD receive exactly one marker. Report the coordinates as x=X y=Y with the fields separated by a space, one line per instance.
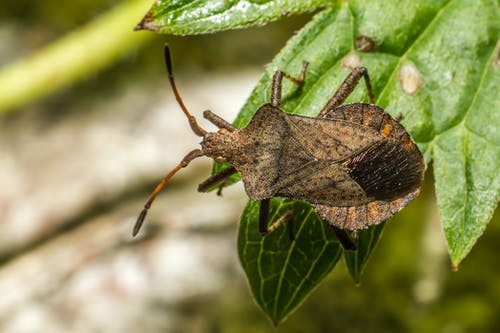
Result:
x=496 y=62
x=365 y=44
x=351 y=61
x=146 y=23
x=410 y=78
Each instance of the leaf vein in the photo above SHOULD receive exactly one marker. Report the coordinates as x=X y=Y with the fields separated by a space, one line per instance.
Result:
x=287 y=261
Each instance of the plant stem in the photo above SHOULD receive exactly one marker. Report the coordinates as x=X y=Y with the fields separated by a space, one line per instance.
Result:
x=80 y=53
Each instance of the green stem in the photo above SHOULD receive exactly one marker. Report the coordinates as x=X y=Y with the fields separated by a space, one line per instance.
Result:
x=80 y=53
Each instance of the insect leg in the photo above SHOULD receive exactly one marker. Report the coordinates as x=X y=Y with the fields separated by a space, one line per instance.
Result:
x=264 y=220
x=346 y=88
x=277 y=80
x=264 y=217
x=185 y=161
x=218 y=121
x=345 y=240
x=214 y=179
x=285 y=218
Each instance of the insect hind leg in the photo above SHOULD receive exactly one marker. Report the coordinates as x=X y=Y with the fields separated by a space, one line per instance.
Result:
x=213 y=180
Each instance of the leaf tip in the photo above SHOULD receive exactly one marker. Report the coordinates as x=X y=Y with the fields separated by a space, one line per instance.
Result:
x=275 y=319
x=146 y=23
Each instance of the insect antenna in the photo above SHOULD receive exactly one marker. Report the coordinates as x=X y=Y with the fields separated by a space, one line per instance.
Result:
x=185 y=161
x=192 y=120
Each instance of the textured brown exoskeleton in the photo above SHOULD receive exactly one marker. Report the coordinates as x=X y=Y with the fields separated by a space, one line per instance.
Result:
x=355 y=164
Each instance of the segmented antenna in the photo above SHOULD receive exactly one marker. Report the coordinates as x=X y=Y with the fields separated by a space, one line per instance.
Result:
x=192 y=120
x=185 y=161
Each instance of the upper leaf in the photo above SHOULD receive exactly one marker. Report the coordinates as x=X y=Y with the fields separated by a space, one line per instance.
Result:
x=190 y=17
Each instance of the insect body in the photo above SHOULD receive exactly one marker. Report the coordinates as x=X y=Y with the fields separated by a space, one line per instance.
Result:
x=355 y=164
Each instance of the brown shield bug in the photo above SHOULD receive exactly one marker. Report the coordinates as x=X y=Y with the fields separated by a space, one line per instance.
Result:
x=354 y=163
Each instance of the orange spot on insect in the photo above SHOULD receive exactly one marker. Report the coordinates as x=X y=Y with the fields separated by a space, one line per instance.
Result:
x=351 y=214
x=407 y=142
x=386 y=130
x=373 y=209
x=408 y=145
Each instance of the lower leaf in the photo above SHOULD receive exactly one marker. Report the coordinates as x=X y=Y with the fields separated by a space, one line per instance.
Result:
x=282 y=271
x=357 y=260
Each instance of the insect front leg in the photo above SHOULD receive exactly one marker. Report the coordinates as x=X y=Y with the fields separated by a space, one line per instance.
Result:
x=346 y=88
x=218 y=121
x=264 y=220
x=215 y=179
x=277 y=80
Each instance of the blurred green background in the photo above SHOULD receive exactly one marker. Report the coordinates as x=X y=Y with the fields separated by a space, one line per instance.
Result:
x=78 y=163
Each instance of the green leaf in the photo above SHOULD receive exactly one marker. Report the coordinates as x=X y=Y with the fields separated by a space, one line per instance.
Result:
x=282 y=271
x=357 y=260
x=189 y=17
x=436 y=64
